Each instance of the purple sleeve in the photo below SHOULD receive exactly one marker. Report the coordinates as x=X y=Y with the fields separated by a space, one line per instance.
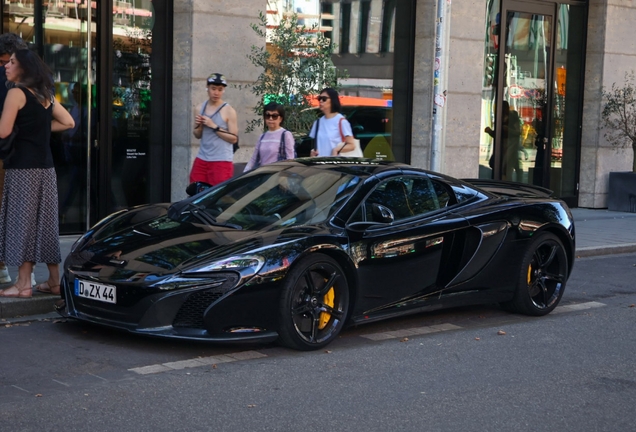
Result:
x=252 y=161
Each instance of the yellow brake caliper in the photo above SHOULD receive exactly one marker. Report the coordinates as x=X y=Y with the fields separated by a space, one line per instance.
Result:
x=325 y=316
x=529 y=274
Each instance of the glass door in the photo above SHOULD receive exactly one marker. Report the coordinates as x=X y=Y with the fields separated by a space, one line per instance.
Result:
x=66 y=40
x=521 y=138
x=532 y=94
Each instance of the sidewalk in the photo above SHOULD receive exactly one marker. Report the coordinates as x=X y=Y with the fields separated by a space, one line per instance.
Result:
x=598 y=232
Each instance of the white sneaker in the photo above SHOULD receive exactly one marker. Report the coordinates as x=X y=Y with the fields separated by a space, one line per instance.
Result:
x=33 y=282
x=4 y=275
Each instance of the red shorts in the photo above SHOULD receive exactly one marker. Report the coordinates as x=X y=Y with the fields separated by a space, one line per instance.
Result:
x=212 y=173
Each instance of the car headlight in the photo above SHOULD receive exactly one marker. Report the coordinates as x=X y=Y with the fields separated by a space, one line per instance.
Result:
x=247 y=266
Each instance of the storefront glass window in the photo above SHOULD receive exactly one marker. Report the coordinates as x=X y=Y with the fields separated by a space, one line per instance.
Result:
x=131 y=113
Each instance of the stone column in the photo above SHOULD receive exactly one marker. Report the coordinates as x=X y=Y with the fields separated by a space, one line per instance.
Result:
x=354 y=27
x=375 y=27
x=211 y=36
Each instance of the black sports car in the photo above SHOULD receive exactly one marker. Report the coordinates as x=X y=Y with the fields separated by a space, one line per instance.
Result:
x=296 y=250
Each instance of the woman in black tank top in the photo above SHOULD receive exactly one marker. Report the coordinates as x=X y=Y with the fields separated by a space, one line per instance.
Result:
x=29 y=230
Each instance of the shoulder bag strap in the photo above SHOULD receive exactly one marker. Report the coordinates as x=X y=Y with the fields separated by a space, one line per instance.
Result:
x=257 y=162
x=282 y=154
x=316 y=137
x=341 y=135
x=340 y=128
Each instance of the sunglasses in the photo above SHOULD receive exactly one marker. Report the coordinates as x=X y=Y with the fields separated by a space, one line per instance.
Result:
x=323 y=98
x=272 y=116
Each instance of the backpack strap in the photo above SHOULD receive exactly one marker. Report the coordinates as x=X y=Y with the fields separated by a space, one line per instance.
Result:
x=205 y=105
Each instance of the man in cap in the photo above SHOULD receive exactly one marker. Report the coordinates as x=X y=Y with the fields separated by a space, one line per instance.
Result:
x=9 y=43
x=216 y=126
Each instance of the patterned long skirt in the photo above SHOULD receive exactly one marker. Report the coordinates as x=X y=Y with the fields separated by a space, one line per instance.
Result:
x=29 y=229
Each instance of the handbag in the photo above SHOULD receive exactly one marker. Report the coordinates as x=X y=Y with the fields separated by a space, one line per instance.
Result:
x=356 y=152
x=7 y=147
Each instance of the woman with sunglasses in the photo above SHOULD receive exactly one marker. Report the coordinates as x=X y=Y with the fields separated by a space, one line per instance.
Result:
x=333 y=134
x=277 y=143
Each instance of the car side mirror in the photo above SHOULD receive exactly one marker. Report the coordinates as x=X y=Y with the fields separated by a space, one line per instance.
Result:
x=382 y=213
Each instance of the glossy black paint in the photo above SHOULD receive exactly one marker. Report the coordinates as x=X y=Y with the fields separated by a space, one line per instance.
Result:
x=468 y=252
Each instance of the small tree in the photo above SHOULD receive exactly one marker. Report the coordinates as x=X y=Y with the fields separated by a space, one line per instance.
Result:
x=296 y=65
x=619 y=115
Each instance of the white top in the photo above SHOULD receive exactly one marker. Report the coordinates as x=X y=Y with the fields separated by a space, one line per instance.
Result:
x=329 y=134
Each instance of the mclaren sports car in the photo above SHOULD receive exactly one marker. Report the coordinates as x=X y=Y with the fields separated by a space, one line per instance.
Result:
x=296 y=250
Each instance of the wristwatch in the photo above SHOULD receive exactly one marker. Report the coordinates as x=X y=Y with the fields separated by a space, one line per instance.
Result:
x=217 y=128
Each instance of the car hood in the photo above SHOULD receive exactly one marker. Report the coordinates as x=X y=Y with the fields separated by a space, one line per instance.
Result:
x=161 y=246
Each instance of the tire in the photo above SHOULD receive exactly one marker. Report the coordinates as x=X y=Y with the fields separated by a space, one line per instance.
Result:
x=313 y=304
x=542 y=278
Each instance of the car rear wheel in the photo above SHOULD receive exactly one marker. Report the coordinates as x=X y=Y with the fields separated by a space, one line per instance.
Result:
x=544 y=272
x=313 y=304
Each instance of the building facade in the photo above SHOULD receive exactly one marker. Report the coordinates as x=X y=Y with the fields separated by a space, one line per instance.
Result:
x=504 y=89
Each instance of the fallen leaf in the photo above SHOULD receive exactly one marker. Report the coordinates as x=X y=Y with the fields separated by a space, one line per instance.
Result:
x=251 y=406
x=405 y=339
x=8 y=325
x=632 y=305
x=477 y=338
x=38 y=395
x=501 y=333
x=327 y=351
x=57 y=321
x=213 y=366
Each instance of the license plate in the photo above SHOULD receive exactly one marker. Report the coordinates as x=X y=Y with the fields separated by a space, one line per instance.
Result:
x=95 y=291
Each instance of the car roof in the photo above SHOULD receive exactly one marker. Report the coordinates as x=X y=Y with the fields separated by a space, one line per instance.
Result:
x=362 y=166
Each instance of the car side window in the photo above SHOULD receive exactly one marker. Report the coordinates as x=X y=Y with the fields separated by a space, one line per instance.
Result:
x=405 y=197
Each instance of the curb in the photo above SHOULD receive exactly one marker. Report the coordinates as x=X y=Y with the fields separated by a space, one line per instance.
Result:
x=591 y=251
x=16 y=307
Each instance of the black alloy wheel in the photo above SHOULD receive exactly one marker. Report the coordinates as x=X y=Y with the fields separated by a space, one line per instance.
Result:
x=313 y=304
x=544 y=272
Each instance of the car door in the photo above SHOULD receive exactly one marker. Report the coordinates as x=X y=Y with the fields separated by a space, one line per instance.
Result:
x=399 y=237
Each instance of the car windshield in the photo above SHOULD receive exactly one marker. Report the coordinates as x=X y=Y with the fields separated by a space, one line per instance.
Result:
x=271 y=197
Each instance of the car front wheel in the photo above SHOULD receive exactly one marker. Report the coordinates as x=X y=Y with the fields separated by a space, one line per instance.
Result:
x=313 y=304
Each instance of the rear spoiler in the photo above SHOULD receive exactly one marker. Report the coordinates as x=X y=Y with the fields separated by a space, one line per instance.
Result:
x=507 y=188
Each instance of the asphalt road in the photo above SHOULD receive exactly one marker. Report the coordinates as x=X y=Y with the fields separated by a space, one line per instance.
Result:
x=574 y=370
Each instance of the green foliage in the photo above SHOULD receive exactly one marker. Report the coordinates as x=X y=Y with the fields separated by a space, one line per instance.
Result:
x=619 y=114
x=297 y=64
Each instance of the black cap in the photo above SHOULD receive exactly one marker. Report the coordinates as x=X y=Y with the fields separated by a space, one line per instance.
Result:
x=218 y=79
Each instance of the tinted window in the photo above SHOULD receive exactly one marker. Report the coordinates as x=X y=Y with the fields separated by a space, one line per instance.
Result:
x=405 y=197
